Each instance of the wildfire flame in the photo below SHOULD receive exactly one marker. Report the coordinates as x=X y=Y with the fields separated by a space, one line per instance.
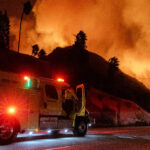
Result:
x=113 y=28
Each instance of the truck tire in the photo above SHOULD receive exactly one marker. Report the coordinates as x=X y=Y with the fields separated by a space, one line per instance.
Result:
x=8 y=131
x=80 y=128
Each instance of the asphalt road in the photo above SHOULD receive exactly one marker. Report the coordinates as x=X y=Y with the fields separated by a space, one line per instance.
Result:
x=123 y=138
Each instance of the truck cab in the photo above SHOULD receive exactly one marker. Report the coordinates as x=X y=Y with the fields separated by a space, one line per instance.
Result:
x=32 y=104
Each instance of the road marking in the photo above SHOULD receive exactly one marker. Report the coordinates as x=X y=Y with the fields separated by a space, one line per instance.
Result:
x=65 y=147
x=125 y=137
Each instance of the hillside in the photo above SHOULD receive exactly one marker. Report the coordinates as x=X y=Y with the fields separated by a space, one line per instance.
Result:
x=82 y=66
x=12 y=62
x=110 y=102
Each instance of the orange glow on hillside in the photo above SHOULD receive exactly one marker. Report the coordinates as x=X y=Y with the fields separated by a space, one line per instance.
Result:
x=113 y=28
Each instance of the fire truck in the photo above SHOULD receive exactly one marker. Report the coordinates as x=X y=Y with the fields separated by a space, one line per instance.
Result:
x=31 y=105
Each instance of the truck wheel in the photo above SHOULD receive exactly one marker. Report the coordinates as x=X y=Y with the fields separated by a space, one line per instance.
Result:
x=81 y=128
x=7 y=132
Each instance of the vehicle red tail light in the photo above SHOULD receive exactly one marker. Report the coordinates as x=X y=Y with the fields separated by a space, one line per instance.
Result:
x=11 y=110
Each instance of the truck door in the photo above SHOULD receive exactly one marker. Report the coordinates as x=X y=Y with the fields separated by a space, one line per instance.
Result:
x=50 y=107
x=80 y=105
x=68 y=101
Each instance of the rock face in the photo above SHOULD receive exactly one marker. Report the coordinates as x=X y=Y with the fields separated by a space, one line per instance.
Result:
x=111 y=110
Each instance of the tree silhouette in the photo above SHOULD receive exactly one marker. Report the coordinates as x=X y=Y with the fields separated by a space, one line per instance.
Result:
x=114 y=63
x=35 y=49
x=41 y=54
x=27 y=7
x=81 y=40
x=111 y=79
x=26 y=10
x=4 y=30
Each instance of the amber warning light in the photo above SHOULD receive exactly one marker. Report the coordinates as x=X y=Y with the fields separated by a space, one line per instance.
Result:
x=60 y=80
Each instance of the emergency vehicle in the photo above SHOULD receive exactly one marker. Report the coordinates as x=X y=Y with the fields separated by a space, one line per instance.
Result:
x=32 y=104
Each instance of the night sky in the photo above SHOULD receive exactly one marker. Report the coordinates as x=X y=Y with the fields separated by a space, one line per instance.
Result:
x=13 y=7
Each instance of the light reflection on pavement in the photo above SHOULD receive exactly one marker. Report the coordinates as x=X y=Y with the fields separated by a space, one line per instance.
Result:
x=124 y=138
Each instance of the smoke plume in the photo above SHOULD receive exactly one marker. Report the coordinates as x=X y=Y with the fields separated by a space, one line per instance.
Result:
x=114 y=28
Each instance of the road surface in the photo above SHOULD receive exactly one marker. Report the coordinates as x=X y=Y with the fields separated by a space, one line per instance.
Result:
x=122 y=138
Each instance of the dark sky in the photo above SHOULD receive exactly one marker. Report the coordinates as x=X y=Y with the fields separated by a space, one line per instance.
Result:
x=13 y=7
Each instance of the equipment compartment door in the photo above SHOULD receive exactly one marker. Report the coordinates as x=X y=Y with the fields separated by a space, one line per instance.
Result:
x=48 y=122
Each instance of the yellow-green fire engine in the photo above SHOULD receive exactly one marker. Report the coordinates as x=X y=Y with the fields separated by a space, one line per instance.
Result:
x=32 y=104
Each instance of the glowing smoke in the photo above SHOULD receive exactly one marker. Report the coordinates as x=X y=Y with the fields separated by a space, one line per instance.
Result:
x=113 y=27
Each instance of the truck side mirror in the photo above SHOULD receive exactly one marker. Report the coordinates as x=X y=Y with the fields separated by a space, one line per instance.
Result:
x=80 y=91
